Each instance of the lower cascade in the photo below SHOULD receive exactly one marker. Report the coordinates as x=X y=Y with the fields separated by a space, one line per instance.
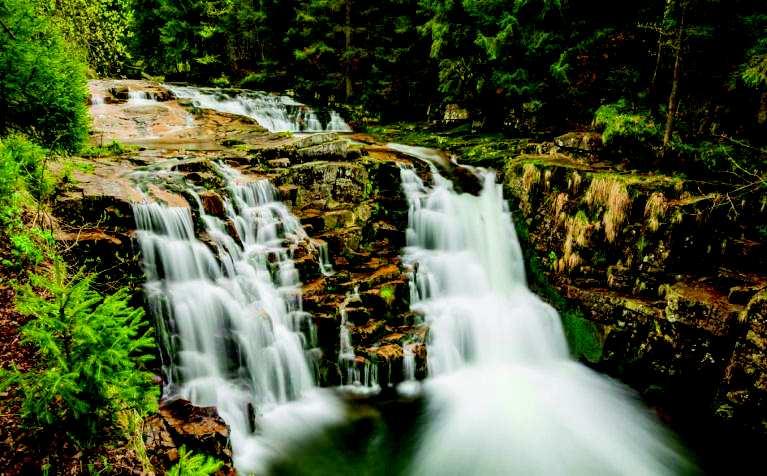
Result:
x=503 y=394
x=231 y=323
x=504 y=397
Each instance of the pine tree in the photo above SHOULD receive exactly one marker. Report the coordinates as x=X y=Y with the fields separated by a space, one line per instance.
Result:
x=91 y=351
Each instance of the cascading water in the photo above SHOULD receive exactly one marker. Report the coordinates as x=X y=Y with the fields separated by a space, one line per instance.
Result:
x=504 y=396
x=353 y=378
x=140 y=98
x=233 y=323
x=274 y=113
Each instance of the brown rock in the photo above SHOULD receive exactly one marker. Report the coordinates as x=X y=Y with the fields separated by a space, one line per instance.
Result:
x=213 y=204
x=700 y=305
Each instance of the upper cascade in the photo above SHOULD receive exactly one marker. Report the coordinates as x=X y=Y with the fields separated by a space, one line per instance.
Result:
x=272 y=112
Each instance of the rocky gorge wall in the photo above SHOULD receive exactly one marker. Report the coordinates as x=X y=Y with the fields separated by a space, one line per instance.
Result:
x=669 y=270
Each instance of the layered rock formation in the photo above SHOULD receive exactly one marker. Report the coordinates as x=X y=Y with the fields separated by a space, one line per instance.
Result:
x=670 y=270
x=346 y=194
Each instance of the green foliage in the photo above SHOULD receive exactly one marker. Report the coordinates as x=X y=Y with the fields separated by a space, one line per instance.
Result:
x=90 y=353
x=753 y=72
x=190 y=464
x=495 y=57
x=623 y=125
x=23 y=181
x=31 y=159
x=30 y=246
x=113 y=148
x=183 y=37
x=99 y=28
x=42 y=80
x=387 y=294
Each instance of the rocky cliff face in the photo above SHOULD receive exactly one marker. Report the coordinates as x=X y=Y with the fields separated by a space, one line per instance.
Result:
x=670 y=270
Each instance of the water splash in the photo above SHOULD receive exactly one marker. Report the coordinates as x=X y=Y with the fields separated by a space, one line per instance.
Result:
x=504 y=396
x=409 y=386
x=274 y=113
x=140 y=98
x=231 y=323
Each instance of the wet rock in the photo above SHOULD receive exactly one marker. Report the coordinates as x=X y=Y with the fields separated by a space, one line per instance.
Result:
x=744 y=393
x=179 y=423
x=279 y=163
x=466 y=180
x=213 y=204
x=327 y=185
x=367 y=333
x=120 y=92
x=580 y=141
x=701 y=306
x=288 y=193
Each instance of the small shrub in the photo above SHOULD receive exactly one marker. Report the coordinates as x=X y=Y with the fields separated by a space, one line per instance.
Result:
x=611 y=194
x=90 y=351
x=9 y=177
x=388 y=294
x=253 y=81
x=190 y=464
x=221 y=82
x=626 y=128
x=109 y=150
x=30 y=159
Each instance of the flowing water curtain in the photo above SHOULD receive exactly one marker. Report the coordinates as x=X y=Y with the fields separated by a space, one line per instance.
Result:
x=234 y=331
x=497 y=354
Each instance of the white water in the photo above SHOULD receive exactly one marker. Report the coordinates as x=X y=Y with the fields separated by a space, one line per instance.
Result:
x=234 y=319
x=140 y=98
x=361 y=381
x=504 y=396
x=274 y=113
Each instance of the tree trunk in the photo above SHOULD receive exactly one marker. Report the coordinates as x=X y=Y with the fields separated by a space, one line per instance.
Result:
x=667 y=10
x=348 y=44
x=673 y=98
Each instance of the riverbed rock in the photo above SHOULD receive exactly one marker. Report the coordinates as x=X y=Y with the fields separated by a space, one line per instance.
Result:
x=213 y=204
x=179 y=423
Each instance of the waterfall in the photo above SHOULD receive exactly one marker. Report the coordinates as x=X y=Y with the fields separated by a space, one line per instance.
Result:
x=361 y=381
x=274 y=113
x=231 y=322
x=504 y=396
x=140 y=98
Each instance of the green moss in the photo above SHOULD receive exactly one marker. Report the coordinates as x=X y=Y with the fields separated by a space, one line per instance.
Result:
x=582 y=335
x=387 y=293
x=110 y=150
x=481 y=149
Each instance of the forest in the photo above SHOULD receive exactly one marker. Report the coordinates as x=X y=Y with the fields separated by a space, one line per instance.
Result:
x=309 y=237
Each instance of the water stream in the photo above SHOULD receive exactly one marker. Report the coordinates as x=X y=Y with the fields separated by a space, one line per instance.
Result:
x=232 y=321
x=272 y=112
x=504 y=397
